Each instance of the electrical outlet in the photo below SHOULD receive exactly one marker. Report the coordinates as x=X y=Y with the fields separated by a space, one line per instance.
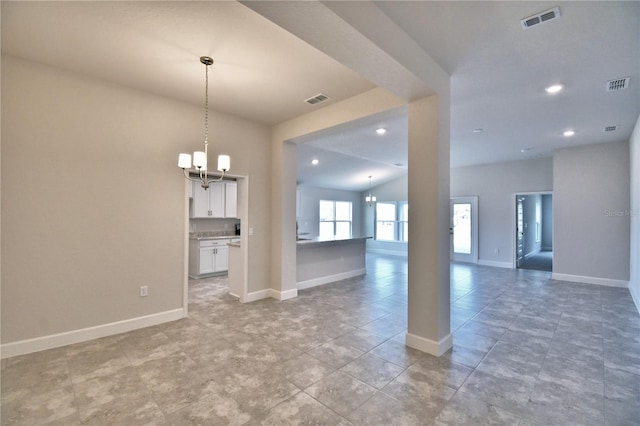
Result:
x=144 y=291
x=496 y=250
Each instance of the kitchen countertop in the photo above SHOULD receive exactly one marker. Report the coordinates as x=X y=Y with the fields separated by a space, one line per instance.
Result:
x=210 y=236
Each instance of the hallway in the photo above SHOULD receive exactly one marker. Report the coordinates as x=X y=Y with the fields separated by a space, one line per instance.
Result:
x=541 y=261
x=527 y=350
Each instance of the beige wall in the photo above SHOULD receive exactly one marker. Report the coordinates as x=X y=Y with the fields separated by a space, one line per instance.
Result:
x=591 y=212
x=93 y=203
x=495 y=186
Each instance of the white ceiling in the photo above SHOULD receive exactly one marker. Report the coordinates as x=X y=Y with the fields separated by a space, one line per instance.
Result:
x=347 y=155
x=262 y=72
x=499 y=72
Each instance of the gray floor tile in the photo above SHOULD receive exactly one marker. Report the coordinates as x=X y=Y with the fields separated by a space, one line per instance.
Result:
x=361 y=339
x=382 y=409
x=526 y=349
x=301 y=410
x=372 y=370
x=335 y=354
x=304 y=370
x=398 y=353
x=341 y=392
x=467 y=409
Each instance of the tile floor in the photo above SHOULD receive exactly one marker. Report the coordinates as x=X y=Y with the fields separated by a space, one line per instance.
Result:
x=527 y=351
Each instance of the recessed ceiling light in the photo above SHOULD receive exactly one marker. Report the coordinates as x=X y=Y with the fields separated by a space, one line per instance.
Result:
x=569 y=133
x=478 y=130
x=554 y=89
x=315 y=161
x=381 y=131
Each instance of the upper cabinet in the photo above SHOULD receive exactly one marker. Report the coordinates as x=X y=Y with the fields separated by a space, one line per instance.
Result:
x=231 y=199
x=219 y=201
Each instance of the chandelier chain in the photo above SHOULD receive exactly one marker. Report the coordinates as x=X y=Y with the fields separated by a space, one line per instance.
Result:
x=206 y=105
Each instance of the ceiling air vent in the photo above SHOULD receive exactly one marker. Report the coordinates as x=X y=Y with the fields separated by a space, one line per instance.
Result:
x=617 y=84
x=540 y=18
x=610 y=128
x=317 y=99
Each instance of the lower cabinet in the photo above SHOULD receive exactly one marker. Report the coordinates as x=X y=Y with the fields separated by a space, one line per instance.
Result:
x=208 y=257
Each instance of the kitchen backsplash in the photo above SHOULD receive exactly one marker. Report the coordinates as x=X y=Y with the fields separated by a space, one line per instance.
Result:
x=213 y=225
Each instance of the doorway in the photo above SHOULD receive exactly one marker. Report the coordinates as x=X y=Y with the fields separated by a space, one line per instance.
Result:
x=463 y=229
x=534 y=231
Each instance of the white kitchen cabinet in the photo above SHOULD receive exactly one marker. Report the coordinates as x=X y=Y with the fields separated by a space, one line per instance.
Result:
x=208 y=203
x=219 y=201
x=208 y=257
x=231 y=199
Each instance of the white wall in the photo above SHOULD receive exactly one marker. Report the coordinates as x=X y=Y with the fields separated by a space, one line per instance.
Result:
x=592 y=213
x=495 y=186
x=93 y=204
x=634 y=278
x=308 y=208
x=396 y=190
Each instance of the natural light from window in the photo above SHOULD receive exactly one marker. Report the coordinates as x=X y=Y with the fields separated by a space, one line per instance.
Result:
x=335 y=219
x=392 y=221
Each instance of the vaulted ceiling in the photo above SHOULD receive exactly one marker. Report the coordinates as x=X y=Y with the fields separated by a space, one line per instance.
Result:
x=264 y=71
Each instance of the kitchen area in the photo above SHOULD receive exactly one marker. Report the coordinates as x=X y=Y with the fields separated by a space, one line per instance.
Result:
x=214 y=229
x=323 y=255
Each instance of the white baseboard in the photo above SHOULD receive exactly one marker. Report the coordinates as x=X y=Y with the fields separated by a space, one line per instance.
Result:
x=330 y=279
x=495 y=263
x=590 y=280
x=271 y=293
x=532 y=253
x=388 y=252
x=283 y=295
x=635 y=297
x=85 y=334
x=257 y=295
x=429 y=346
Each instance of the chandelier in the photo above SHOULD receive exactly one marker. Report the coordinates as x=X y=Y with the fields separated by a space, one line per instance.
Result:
x=200 y=157
x=370 y=199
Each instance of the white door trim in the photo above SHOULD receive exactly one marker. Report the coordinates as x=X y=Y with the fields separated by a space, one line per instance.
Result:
x=513 y=220
x=243 y=214
x=473 y=200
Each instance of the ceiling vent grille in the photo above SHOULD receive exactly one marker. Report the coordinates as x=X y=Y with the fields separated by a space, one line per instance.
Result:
x=617 y=84
x=610 y=128
x=320 y=97
x=540 y=18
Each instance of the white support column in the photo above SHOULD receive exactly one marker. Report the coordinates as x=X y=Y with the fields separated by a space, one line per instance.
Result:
x=429 y=295
x=283 y=244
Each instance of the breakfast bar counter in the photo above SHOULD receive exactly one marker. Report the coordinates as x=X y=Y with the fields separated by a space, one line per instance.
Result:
x=323 y=260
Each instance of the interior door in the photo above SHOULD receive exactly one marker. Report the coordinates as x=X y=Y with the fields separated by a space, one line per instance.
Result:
x=519 y=231
x=464 y=229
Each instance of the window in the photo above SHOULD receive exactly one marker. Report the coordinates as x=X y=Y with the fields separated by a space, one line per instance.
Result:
x=392 y=221
x=335 y=218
